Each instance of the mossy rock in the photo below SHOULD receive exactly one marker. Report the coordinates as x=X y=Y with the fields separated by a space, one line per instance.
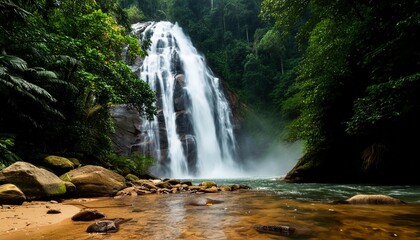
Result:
x=10 y=194
x=36 y=183
x=70 y=187
x=225 y=188
x=208 y=184
x=75 y=162
x=94 y=181
x=131 y=177
x=58 y=164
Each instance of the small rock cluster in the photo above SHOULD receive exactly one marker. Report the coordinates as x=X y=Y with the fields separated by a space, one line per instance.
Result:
x=167 y=186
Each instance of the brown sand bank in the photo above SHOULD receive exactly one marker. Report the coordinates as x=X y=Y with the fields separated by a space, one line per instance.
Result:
x=32 y=215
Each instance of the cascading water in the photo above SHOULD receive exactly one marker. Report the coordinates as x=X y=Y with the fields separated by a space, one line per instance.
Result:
x=192 y=134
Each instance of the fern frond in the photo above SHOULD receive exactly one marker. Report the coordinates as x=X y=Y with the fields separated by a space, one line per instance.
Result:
x=46 y=74
x=24 y=87
x=13 y=62
x=3 y=71
x=10 y=10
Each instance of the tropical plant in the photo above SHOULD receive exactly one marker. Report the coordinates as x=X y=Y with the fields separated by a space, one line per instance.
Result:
x=136 y=164
x=357 y=84
x=60 y=72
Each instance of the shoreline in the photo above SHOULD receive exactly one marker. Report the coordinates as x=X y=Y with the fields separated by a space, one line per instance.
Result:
x=33 y=215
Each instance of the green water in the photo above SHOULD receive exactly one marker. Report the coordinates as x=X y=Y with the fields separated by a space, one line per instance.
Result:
x=318 y=192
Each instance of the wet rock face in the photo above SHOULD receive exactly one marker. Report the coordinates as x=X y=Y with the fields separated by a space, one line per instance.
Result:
x=189 y=145
x=181 y=100
x=184 y=123
x=127 y=123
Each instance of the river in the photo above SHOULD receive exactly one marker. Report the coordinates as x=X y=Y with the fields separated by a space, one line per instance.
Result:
x=307 y=208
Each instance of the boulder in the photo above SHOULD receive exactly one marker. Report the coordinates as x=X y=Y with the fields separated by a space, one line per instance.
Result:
x=87 y=215
x=213 y=189
x=75 y=162
x=131 y=177
x=208 y=184
x=10 y=194
x=145 y=183
x=58 y=164
x=225 y=188
x=70 y=188
x=106 y=225
x=378 y=199
x=95 y=181
x=35 y=183
x=173 y=181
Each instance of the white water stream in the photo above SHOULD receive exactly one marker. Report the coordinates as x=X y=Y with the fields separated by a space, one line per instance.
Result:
x=192 y=135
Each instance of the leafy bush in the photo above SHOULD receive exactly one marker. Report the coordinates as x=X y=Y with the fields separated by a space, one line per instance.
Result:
x=7 y=157
x=136 y=164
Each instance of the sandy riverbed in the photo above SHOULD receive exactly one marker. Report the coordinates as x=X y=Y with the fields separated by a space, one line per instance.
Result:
x=162 y=216
x=33 y=215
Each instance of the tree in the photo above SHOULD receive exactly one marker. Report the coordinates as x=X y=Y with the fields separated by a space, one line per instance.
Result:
x=72 y=79
x=356 y=85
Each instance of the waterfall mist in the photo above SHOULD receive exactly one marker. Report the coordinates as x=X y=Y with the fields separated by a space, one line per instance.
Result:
x=277 y=160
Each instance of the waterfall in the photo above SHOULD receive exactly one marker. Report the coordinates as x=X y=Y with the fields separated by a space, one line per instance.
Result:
x=192 y=133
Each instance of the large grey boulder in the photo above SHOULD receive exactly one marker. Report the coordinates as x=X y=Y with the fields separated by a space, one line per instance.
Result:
x=34 y=182
x=127 y=128
x=94 y=181
x=10 y=194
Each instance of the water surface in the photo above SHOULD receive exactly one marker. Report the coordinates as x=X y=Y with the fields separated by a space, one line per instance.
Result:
x=305 y=207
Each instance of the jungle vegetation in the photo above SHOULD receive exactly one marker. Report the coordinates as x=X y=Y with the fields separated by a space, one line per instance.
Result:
x=341 y=76
x=60 y=71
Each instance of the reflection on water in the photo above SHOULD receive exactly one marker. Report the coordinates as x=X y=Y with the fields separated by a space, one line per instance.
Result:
x=172 y=217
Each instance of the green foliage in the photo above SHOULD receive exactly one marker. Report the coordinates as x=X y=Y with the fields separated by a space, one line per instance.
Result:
x=7 y=156
x=72 y=79
x=321 y=73
x=134 y=14
x=358 y=81
x=390 y=101
x=136 y=164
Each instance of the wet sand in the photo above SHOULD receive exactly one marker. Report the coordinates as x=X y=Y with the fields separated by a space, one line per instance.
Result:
x=172 y=217
x=20 y=218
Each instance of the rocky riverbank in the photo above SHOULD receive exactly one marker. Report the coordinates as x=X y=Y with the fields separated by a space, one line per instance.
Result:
x=32 y=196
x=23 y=181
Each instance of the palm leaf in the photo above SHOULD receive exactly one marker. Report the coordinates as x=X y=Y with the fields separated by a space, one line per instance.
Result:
x=13 y=62
x=24 y=87
x=10 y=10
x=42 y=73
